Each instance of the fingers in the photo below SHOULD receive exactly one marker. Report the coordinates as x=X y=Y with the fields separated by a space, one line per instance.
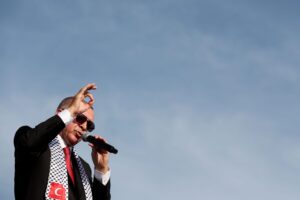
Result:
x=95 y=148
x=90 y=102
x=84 y=93
x=91 y=99
x=85 y=89
x=79 y=104
x=100 y=138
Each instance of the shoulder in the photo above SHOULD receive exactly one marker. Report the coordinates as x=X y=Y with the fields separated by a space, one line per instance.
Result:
x=21 y=131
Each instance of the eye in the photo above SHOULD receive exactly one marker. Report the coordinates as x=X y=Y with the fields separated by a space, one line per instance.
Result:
x=81 y=118
x=90 y=126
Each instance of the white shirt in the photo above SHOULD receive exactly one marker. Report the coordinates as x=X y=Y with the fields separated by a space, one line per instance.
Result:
x=67 y=118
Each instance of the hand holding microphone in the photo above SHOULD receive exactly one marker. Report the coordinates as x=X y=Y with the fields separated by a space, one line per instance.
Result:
x=99 y=144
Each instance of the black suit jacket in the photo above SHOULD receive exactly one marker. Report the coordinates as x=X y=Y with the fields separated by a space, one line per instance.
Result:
x=32 y=164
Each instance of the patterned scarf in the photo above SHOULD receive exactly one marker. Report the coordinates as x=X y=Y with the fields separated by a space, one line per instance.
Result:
x=57 y=187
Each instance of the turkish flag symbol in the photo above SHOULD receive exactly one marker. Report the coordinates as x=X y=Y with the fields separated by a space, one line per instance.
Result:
x=57 y=191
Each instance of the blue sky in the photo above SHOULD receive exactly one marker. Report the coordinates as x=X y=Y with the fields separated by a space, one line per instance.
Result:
x=200 y=97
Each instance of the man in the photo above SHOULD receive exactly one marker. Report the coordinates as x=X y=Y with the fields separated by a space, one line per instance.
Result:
x=46 y=163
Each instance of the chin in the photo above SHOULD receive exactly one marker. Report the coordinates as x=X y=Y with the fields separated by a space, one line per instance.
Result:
x=73 y=141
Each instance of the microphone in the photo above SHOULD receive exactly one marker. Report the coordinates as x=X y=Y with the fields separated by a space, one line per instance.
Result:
x=99 y=144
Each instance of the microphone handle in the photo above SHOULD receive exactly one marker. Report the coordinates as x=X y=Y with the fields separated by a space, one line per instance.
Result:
x=102 y=145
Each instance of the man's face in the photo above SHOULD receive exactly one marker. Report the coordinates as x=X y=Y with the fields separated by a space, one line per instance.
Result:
x=73 y=131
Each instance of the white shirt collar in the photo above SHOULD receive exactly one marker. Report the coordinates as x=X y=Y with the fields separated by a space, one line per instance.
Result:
x=61 y=142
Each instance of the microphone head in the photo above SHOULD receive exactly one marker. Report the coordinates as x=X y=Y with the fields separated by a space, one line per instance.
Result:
x=84 y=137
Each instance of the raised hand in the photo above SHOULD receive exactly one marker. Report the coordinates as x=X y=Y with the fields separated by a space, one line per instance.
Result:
x=79 y=105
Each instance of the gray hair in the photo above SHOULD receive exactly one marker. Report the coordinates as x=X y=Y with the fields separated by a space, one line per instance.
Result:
x=66 y=102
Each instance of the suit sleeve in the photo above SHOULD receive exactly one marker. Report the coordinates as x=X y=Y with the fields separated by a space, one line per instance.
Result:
x=100 y=191
x=36 y=139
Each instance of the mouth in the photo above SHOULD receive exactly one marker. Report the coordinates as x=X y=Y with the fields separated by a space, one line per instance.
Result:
x=78 y=134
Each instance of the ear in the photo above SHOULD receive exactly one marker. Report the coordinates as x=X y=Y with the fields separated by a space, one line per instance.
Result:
x=58 y=111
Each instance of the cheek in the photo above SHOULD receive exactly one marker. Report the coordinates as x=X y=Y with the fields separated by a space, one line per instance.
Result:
x=68 y=130
x=69 y=134
x=70 y=127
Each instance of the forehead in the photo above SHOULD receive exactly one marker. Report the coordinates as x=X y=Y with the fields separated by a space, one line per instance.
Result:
x=89 y=114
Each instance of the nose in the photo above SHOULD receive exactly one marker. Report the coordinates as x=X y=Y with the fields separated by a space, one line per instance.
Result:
x=83 y=126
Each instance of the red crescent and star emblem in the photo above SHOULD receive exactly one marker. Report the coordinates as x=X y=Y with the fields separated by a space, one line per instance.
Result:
x=57 y=191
